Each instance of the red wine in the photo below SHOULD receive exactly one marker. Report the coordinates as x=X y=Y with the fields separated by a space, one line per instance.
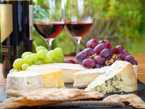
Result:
x=49 y=30
x=15 y=31
x=79 y=28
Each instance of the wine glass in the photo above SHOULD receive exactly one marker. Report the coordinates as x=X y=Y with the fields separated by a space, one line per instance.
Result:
x=78 y=19
x=48 y=19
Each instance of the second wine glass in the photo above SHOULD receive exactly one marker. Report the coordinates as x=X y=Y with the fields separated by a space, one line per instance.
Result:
x=78 y=20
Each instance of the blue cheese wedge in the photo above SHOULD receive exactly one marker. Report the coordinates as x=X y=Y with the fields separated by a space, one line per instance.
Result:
x=120 y=77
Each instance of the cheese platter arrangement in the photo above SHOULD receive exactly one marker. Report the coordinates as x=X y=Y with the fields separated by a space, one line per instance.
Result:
x=102 y=77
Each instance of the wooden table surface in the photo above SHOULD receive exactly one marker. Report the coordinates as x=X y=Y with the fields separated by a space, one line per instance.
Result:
x=141 y=61
x=141 y=73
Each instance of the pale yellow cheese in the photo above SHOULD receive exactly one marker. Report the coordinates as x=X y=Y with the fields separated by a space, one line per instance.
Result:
x=53 y=79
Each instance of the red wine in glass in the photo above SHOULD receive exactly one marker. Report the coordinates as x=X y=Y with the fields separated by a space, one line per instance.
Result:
x=49 y=30
x=79 y=29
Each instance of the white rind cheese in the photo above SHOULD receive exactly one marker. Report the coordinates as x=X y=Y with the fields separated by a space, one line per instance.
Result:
x=34 y=79
x=42 y=76
x=120 y=77
x=83 y=78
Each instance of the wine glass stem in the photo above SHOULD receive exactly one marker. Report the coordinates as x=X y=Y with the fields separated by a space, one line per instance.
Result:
x=78 y=40
x=50 y=40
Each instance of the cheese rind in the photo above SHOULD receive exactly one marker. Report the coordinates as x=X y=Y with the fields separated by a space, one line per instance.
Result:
x=120 y=77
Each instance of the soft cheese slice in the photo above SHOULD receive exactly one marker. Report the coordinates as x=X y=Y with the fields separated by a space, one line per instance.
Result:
x=34 y=79
x=120 y=77
x=85 y=77
x=53 y=79
x=67 y=68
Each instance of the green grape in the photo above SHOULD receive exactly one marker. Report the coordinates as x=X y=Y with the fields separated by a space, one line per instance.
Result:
x=25 y=66
x=56 y=55
x=41 y=54
x=39 y=62
x=18 y=63
x=25 y=54
x=48 y=59
x=59 y=56
x=34 y=58
x=41 y=48
x=30 y=59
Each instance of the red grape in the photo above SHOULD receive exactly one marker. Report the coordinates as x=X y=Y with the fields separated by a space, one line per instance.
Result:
x=100 y=53
x=115 y=51
x=107 y=44
x=122 y=56
x=99 y=60
x=131 y=59
x=89 y=63
x=89 y=51
x=92 y=43
x=99 y=48
x=81 y=56
x=106 y=53
x=99 y=66
x=134 y=62
x=120 y=48
x=123 y=51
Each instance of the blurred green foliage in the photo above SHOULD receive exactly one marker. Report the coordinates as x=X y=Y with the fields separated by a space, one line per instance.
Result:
x=125 y=20
x=121 y=21
x=38 y=40
x=66 y=42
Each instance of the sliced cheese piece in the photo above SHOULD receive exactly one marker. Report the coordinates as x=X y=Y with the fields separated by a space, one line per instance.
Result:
x=83 y=78
x=120 y=77
x=67 y=68
x=34 y=79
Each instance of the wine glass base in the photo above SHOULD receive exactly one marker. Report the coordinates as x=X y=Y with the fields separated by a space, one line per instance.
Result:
x=78 y=41
x=50 y=40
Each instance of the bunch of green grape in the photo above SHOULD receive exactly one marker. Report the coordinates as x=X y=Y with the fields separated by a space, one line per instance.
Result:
x=42 y=56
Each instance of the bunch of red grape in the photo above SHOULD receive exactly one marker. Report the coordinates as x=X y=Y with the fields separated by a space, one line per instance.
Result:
x=101 y=53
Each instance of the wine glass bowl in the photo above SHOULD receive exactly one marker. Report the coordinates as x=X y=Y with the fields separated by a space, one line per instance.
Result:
x=79 y=28
x=49 y=29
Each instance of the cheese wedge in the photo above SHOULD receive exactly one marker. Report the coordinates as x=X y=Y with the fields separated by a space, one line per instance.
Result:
x=85 y=77
x=120 y=77
x=68 y=69
x=34 y=79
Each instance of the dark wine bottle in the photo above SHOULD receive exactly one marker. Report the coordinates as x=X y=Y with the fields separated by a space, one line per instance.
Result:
x=15 y=30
